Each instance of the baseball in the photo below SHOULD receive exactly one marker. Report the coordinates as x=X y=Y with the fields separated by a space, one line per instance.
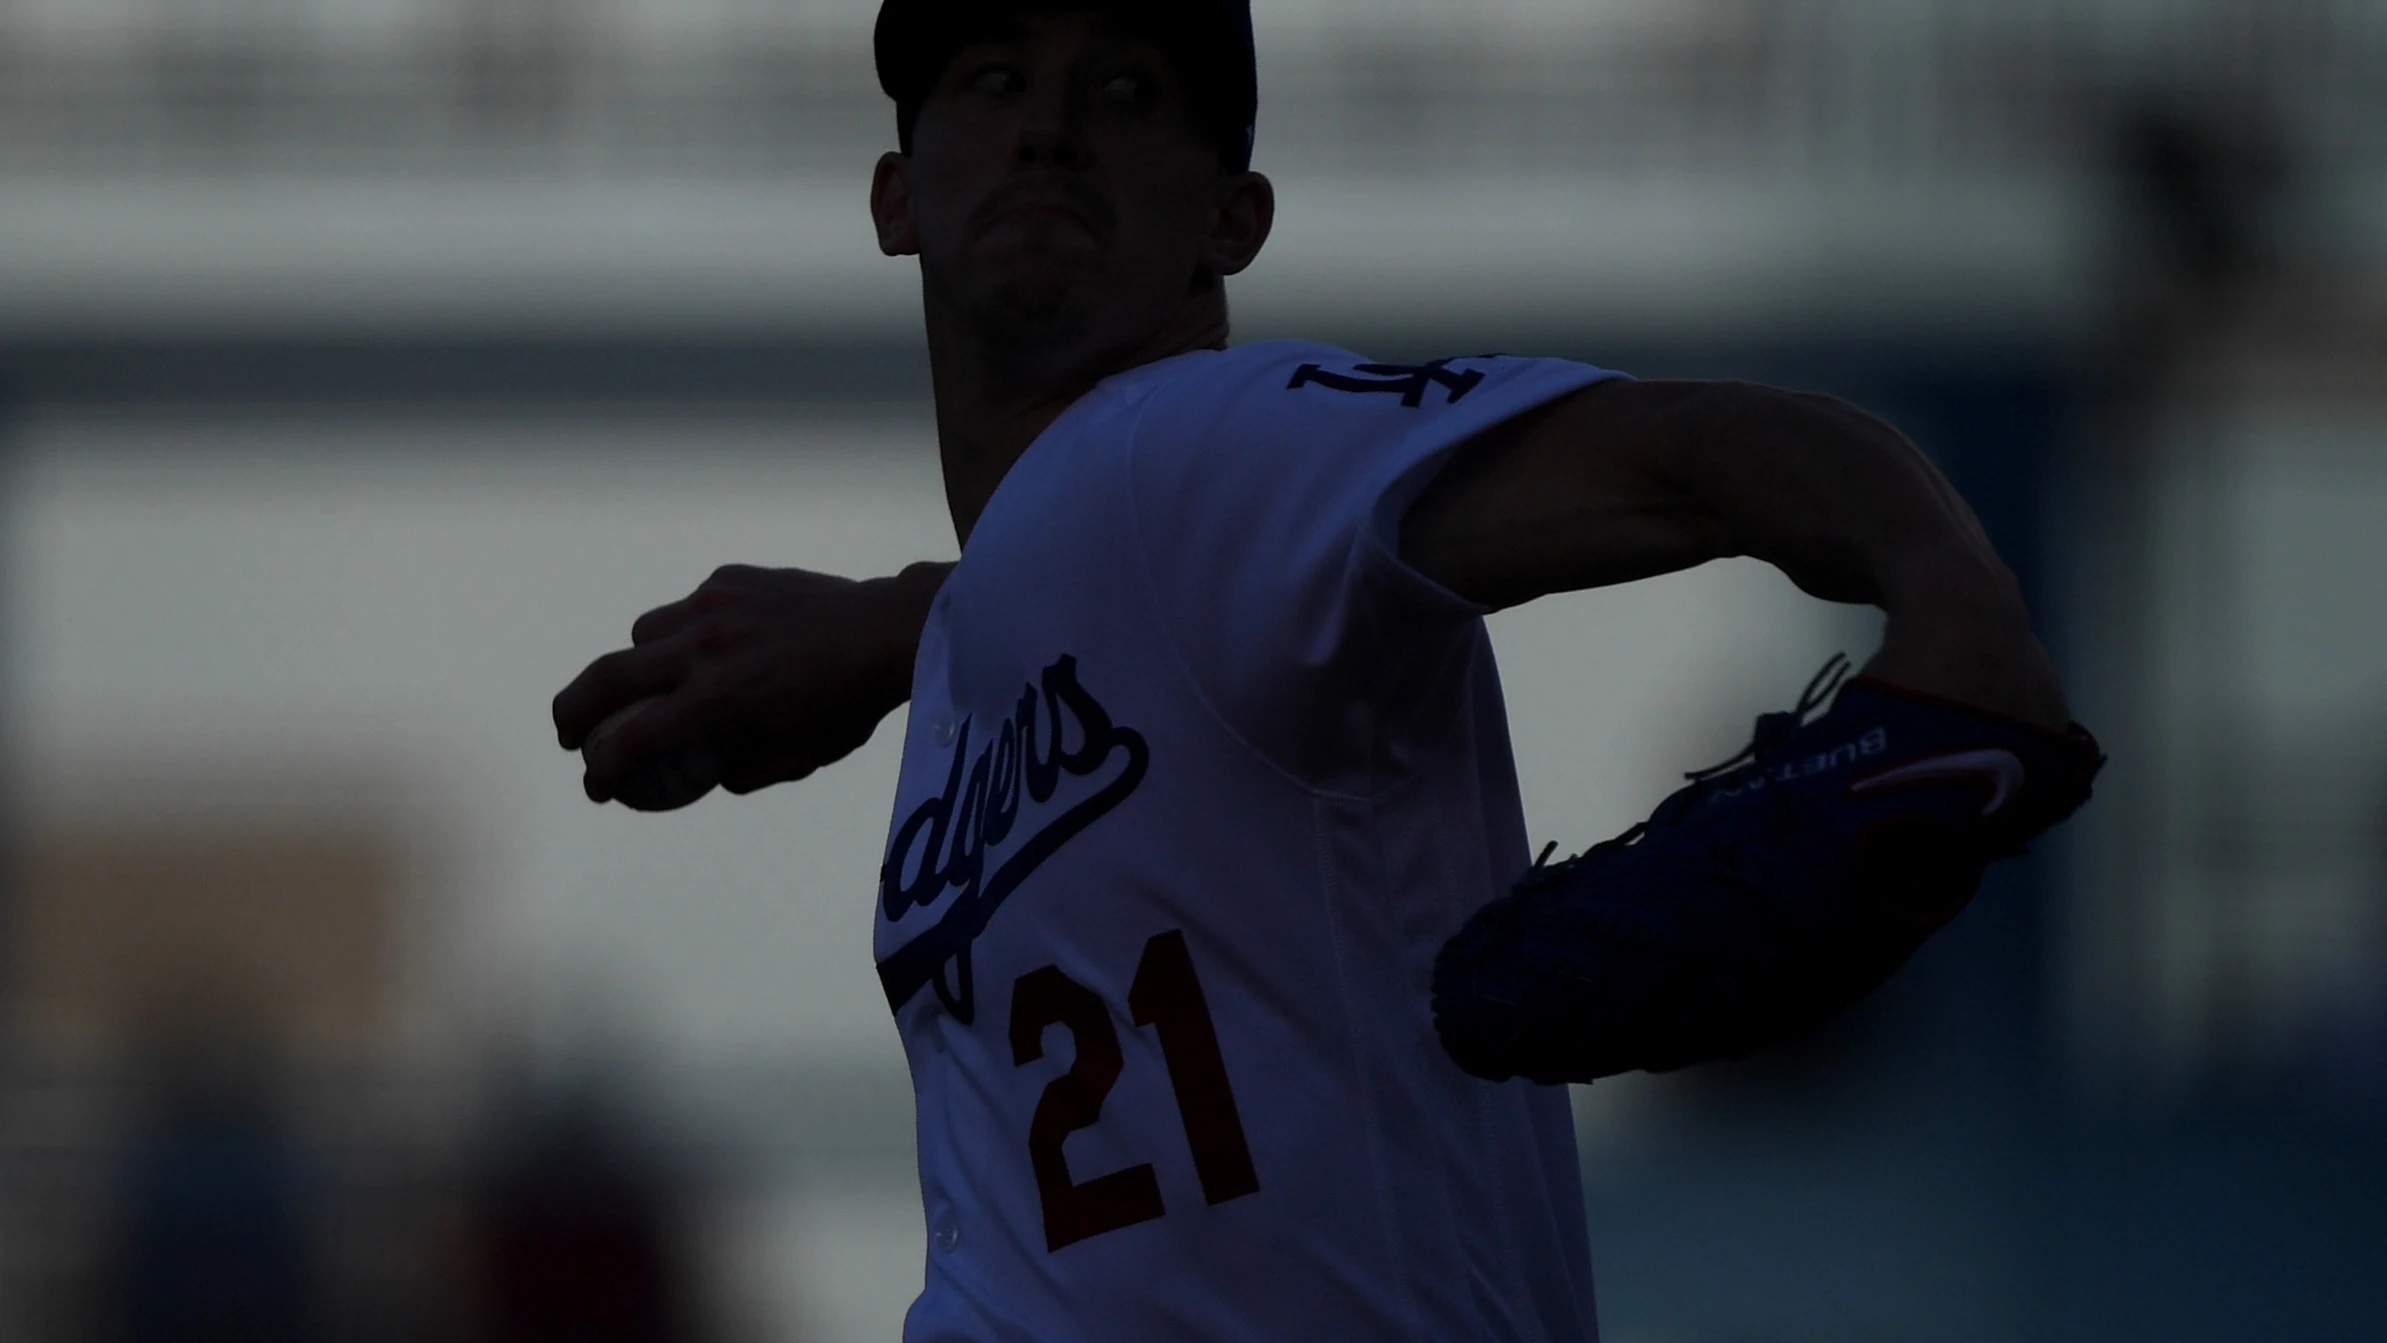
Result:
x=664 y=782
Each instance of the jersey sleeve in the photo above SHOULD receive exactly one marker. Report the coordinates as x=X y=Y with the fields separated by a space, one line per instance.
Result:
x=1268 y=485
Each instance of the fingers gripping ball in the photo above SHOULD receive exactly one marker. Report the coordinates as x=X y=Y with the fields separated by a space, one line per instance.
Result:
x=663 y=781
x=1760 y=900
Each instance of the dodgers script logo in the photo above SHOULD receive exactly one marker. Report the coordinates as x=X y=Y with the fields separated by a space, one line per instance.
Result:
x=943 y=845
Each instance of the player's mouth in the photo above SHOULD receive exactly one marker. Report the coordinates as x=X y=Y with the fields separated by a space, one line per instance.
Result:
x=1041 y=207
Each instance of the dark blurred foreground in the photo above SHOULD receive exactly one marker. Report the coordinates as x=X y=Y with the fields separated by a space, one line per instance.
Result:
x=229 y=1202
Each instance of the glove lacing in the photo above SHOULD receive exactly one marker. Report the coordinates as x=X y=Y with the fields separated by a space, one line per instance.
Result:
x=1771 y=730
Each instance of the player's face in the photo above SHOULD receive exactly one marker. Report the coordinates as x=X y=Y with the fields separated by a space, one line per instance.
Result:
x=1059 y=195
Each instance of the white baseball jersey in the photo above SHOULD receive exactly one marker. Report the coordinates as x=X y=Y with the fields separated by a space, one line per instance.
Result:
x=1199 y=775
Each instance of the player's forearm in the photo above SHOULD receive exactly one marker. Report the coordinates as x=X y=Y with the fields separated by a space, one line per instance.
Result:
x=1851 y=511
x=903 y=601
x=1630 y=480
x=1836 y=499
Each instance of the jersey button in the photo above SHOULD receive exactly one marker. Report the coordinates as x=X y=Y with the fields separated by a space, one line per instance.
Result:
x=944 y=729
x=945 y=1233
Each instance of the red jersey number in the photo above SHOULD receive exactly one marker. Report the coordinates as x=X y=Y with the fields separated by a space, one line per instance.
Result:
x=1166 y=996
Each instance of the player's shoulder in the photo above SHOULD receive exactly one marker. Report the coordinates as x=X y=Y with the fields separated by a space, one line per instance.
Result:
x=1302 y=386
x=1206 y=375
x=1289 y=365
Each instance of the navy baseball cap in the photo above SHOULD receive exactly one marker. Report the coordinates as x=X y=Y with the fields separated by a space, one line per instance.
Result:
x=1210 y=41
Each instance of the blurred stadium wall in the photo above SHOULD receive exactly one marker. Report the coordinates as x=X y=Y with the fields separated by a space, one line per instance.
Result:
x=366 y=365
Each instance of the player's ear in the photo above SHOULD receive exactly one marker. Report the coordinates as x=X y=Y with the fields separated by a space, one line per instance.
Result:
x=891 y=206
x=1246 y=212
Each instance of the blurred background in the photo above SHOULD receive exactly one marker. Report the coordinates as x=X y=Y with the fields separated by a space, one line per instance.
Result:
x=367 y=365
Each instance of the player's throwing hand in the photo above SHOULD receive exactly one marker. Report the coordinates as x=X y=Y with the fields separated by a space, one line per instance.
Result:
x=768 y=674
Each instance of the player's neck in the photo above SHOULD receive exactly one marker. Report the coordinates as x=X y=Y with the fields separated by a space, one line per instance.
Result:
x=990 y=407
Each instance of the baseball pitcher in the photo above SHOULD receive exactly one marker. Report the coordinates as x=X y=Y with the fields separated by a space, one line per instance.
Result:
x=1232 y=994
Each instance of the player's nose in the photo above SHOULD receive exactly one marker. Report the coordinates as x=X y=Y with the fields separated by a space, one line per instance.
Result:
x=1052 y=131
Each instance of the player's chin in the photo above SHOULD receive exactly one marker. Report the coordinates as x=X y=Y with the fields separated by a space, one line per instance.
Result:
x=1035 y=310
x=1033 y=233
x=1039 y=276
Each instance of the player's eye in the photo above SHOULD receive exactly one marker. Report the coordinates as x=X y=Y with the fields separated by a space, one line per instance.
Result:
x=998 y=80
x=1131 y=90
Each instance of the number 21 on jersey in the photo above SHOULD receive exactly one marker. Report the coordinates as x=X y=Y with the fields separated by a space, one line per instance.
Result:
x=1167 y=997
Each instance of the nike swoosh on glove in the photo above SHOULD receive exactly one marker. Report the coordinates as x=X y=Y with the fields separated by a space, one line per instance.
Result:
x=1754 y=904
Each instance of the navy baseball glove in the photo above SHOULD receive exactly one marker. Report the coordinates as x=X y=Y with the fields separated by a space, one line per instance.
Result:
x=1775 y=890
